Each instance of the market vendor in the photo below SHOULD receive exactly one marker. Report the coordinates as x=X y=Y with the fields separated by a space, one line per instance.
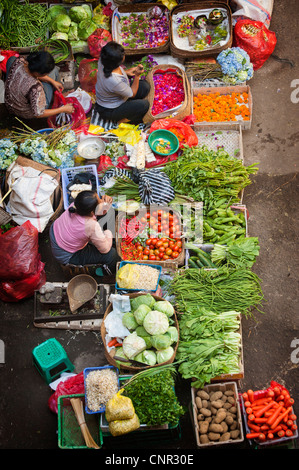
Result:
x=116 y=99
x=30 y=84
x=77 y=237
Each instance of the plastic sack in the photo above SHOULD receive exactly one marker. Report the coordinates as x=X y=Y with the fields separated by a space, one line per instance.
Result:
x=98 y=39
x=13 y=291
x=182 y=130
x=255 y=10
x=105 y=162
x=256 y=40
x=72 y=386
x=127 y=133
x=84 y=99
x=87 y=74
x=19 y=252
x=75 y=120
x=4 y=56
x=119 y=407
x=124 y=426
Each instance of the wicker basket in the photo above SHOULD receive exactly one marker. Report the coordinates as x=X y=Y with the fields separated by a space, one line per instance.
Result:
x=211 y=51
x=179 y=261
x=137 y=8
x=109 y=357
x=184 y=109
x=57 y=197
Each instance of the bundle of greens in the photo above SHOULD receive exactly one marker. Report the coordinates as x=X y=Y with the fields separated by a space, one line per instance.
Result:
x=240 y=253
x=219 y=290
x=153 y=396
x=206 y=175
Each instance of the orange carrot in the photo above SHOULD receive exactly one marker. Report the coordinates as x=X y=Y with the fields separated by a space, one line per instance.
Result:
x=281 y=433
x=274 y=415
x=270 y=435
x=293 y=417
x=294 y=427
x=262 y=411
x=289 y=432
x=252 y=435
x=278 y=428
x=254 y=427
x=264 y=427
x=269 y=413
x=251 y=417
x=245 y=396
x=284 y=427
x=270 y=393
x=262 y=437
x=261 y=420
x=290 y=423
x=289 y=402
x=112 y=342
x=261 y=401
x=247 y=403
x=280 y=418
x=250 y=395
x=249 y=410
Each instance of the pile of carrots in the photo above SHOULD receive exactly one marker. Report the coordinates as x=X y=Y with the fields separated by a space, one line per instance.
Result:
x=218 y=108
x=270 y=417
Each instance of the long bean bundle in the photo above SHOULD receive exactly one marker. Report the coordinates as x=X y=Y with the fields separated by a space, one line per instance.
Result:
x=218 y=290
x=22 y=24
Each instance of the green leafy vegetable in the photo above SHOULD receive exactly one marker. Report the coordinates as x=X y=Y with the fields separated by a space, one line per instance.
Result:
x=240 y=253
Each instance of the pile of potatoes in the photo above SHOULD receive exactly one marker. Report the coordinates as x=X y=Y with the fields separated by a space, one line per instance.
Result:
x=217 y=416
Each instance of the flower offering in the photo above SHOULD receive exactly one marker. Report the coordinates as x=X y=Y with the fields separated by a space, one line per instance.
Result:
x=140 y=31
x=169 y=91
x=221 y=108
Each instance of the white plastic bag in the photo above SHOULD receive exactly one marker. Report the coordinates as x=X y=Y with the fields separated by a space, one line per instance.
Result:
x=255 y=10
x=83 y=97
x=30 y=197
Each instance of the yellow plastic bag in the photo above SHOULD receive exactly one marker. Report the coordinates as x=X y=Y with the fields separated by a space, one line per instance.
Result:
x=124 y=426
x=119 y=408
x=127 y=133
x=127 y=276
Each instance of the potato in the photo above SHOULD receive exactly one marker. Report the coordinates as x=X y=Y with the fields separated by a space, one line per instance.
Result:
x=213 y=410
x=202 y=394
x=225 y=437
x=221 y=415
x=229 y=419
x=214 y=436
x=234 y=434
x=215 y=428
x=233 y=409
x=198 y=402
x=205 y=404
x=204 y=439
x=215 y=395
x=200 y=417
x=229 y=393
x=227 y=406
x=205 y=411
x=231 y=400
x=233 y=426
x=203 y=427
x=217 y=404
x=224 y=426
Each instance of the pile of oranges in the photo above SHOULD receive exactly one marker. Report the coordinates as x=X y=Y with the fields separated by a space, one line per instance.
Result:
x=218 y=108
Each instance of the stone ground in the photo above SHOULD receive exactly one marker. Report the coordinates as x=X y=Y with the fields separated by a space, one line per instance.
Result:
x=269 y=341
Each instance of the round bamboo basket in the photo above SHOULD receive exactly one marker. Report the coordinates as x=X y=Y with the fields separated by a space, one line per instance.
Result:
x=109 y=357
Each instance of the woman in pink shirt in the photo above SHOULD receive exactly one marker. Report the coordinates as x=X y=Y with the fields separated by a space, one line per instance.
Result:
x=77 y=237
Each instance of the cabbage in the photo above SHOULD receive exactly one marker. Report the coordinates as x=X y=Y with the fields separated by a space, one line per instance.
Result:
x=172 y=332
x=73 y=32
x=79 y=13
x=147 y=357
x=156 y=323
x=146 y=299
x=59 y=35
x=78 y=46
x=61 y=23
x=161 y=341
x=165 y=307
x=88 y=11
x=129 y=321
x=165 y=355
x=133 y=345
x=86 y=28
x=119 y=352
x=140 y=330
x=141 y=312
x=56 y=10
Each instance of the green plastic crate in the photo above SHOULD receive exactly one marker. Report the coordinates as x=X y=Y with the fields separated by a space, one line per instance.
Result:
x=69 y=432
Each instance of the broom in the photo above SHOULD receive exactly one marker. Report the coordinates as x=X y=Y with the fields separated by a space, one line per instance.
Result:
x=78 y=409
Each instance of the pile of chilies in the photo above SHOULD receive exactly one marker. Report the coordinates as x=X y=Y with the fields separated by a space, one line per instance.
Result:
x=271 y=416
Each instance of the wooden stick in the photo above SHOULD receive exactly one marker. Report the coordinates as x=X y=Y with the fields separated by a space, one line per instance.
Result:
x=78 y=409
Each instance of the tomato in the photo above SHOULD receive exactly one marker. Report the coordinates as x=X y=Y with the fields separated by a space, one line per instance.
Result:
x=140 y=248
x=175 y=248
x=146 y=251
x=148 y=215
x=152 y=257
x=165 y=257
x=180 y=250
x=161 y=255
x=156 y=252
x=157 y=258
x=175 y=254
x=168 y=251
x=152 y=247
x=154 y=241
x=148 y=242
x=166 y=244
x=162 y=249
x=145 y=257
x=171 y=244
x=164 y=240
x=151 y=252
x=159 y=243
x=179 y=243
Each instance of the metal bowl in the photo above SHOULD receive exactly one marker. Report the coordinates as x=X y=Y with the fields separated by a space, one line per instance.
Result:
x=91 y=148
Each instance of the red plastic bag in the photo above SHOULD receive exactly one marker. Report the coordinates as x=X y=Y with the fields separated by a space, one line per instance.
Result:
x=97 y=40
x=7 y=55
x=87 y=74
x=19 y=252
x=256 y=39
x=105 y=162
x=183 y=131
x=13 y=291
x=77 y=118
x=72 y=386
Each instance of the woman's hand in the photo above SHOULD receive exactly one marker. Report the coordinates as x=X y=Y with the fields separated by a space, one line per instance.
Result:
x=67 y=108
x=58 y=86
x=139 y=69
x=107 y=199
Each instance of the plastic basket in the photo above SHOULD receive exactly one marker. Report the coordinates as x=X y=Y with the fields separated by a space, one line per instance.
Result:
x=67 y=176
x=85 y=374
x=69 y=432
x=122 y=263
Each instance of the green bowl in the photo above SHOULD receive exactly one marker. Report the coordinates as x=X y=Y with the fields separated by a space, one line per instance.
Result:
x=154 y=140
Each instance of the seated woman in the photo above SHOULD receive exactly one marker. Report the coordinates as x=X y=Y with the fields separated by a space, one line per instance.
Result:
x=76 y=236
x=116 y=99
x=30 y=85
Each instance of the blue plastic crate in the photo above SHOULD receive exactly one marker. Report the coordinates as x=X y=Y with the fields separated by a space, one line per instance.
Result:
x=85 y=373
x=159 y=268
x=67 y=176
